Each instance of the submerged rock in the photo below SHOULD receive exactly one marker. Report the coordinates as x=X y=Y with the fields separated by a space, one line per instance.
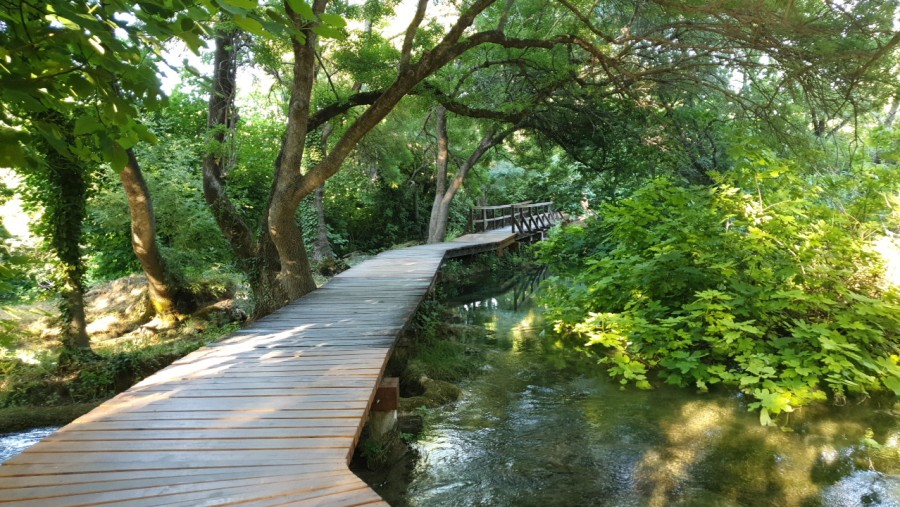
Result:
x=436 y=393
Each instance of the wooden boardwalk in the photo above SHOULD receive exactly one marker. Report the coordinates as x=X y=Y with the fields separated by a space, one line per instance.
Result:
x=268 y=416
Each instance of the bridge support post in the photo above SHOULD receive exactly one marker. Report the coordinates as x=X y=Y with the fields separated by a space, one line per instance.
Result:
x=383 y=418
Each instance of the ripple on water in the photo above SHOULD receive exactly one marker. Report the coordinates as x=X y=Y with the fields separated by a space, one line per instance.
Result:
x=544 y=426
x=12 y=444
x=864 y=487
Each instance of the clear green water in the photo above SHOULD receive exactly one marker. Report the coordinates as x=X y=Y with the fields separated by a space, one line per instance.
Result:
x=541 y=425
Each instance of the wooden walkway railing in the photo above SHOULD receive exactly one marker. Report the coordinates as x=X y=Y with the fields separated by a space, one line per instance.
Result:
x=266 y=417
x=523 y=219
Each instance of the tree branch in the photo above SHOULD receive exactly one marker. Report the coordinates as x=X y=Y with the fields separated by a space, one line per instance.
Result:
x=406 y=51
x=330 y=111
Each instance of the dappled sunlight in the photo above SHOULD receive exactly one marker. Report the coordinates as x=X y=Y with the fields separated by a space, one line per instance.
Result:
x=102 y=324
x=27 y=356
x=663 y=469
x=521 y=332
x=887 y=247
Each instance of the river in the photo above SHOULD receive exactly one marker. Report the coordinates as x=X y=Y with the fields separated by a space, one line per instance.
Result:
x=542 y=425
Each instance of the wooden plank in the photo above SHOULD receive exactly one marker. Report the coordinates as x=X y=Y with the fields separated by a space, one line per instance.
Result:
x=295 y=403
x=360 y=496
x=205 y=415
x=111 y=461
x=53 y=477
x=235 y=423
x=323 y=393
x=12 y=470
x=194 y=491
x=324 y=445
x=262 y=496
x=251 y=385
x=311 y=432
x=86 y=484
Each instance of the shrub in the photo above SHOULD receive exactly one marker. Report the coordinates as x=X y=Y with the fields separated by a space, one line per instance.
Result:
x=775 y=290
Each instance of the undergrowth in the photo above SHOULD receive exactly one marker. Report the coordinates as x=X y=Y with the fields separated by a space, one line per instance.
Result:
x=88 y=378
x=768 y=284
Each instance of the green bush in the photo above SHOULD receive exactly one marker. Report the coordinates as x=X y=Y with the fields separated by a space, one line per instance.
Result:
x=774 y=290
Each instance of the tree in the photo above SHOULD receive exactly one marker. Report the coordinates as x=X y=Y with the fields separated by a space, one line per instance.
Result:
x=445 y=191
x=91 y=64
x=57 y=189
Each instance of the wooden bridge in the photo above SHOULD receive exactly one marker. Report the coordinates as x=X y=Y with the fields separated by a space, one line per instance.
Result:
x=266 y=417
x=526 y=220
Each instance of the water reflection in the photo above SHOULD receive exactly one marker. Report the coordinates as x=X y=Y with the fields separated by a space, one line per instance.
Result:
x=541 y=425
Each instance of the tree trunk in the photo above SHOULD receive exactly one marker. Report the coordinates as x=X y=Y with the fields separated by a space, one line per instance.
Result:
x=64 y=179
x=322 y=247
x=444 y=193
x=436 y=233
x=295 y=275
x=168 y=298
x=75 y=336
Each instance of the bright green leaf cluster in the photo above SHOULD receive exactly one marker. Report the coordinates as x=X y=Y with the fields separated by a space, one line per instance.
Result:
x=765 y=282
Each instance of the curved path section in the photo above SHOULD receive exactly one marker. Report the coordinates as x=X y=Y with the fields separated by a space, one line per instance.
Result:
x=268 y=416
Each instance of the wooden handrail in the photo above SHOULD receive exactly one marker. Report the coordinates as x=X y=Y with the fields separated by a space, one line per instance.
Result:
x=525 y=218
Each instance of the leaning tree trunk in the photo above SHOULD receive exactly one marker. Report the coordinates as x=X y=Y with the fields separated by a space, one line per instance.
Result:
x=437 y=233
x=168 y=298
x=444 y=193
x=295 y=275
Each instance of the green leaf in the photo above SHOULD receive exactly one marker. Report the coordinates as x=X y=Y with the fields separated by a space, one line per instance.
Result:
x=238 y=7
x=87 y=125
x=892 y=383
x=303 y=9
x=333 y=20
x=185 y=23
x=128 y=139
x=251 y=25
x=145 y=134
x=11 y=155
x=764 y=418
x=116 y=156
x=328 y=32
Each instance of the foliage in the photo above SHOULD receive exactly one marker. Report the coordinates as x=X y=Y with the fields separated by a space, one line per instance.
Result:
x=766 y=282
x=187 y=232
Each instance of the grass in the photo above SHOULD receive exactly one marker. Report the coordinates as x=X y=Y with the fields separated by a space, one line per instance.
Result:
x=24 y=418
x=92 y=378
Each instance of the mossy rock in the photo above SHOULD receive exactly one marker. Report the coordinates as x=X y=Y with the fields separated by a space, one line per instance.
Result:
x=437 y=393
